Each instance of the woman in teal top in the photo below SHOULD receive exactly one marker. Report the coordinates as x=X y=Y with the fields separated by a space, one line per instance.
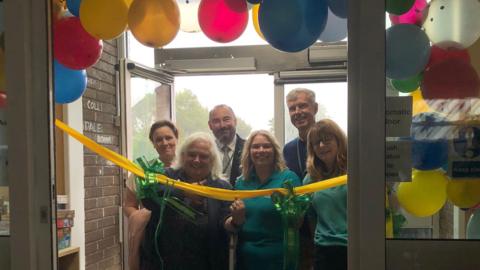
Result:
x=327 y=158
x=257 y=222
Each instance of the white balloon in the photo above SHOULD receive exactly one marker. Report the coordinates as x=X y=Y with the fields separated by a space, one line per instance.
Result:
x=189 y=15
x=335 y=30
x=453 y=24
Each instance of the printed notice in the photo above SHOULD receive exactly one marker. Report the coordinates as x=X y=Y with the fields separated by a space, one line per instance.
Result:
x=398 y=161
x=464 y=153
x=398 y=116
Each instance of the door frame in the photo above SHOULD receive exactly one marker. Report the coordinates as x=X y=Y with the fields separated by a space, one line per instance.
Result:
x=30 y=134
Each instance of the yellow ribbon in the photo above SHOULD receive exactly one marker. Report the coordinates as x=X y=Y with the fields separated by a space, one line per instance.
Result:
x=214 y=193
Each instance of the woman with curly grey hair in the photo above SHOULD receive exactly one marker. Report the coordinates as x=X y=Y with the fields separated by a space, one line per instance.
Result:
x=181 y=242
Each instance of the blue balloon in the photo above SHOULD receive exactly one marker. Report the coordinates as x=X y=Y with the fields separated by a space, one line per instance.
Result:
x=292 y=25
x=339 y=7
x=429 y=141
x=254 y=1
x=335 y=30
x=473 y=225
x=408 y=51
x=69 y=83
x=74 y=7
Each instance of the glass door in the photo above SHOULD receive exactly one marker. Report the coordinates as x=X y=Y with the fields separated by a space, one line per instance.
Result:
x=412 y=135
x=146 y=97
x=433 y=134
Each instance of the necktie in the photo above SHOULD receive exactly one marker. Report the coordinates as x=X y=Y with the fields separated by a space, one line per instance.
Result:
x=226 y=159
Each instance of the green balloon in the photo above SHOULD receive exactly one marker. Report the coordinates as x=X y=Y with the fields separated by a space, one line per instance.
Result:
x=408 y=85
x=398 y=7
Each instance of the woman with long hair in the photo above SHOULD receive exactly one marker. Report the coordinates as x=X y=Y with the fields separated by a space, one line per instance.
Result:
x=327 y=158
x=257 y=222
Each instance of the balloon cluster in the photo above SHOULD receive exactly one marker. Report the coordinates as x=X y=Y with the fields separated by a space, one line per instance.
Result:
x=428 y=55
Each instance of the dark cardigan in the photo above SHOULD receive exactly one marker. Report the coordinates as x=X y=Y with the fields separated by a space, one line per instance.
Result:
x=182 y=244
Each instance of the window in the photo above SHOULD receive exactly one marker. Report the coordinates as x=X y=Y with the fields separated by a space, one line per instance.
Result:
x=332 y=99
x=250 y=96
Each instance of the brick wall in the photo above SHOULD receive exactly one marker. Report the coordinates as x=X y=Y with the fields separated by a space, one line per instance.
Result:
x=102 y=178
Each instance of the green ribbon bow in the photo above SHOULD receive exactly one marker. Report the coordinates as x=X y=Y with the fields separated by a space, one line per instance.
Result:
x=292 y=208
x=148 y=188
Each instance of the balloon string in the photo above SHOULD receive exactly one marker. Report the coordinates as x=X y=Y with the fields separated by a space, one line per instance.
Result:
x=210 y=192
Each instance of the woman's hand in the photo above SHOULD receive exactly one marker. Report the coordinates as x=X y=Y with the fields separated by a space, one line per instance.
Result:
x=238 y=213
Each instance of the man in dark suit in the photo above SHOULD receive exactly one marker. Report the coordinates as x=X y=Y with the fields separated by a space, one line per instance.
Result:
x=223 y=124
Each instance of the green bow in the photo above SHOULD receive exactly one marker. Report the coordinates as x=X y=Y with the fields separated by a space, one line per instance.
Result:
x=292 y=208
x=148 y=187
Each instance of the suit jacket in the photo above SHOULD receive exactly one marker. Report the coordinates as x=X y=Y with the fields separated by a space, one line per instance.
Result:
x=237 y=157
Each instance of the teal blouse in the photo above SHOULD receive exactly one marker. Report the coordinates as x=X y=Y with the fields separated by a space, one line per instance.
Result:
x=330 y=211
x=260 y=244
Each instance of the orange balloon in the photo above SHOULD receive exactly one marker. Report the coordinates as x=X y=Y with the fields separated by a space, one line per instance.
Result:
x=154 y=23
x=256 y=24
x=464 y=193
x=419 y=104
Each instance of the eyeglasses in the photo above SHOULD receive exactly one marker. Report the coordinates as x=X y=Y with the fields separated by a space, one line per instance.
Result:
x=326 y=140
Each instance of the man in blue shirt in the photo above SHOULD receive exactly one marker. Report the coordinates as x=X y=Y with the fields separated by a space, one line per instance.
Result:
x=302 y=109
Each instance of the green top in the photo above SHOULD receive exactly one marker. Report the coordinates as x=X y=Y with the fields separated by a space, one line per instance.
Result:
x=330 y=207
x=260 y=243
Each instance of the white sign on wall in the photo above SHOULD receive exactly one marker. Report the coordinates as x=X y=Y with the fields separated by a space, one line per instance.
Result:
x=398 y=116
x=398 y=161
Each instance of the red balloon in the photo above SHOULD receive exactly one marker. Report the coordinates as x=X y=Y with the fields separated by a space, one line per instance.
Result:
x=223 y=20
x=438 y=55
x=3 y=99
x=73 y=47
x=450 y=79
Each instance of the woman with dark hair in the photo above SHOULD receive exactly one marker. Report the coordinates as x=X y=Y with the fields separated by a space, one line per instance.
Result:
x=257 y=222
x=327 y=158
x=164 y=137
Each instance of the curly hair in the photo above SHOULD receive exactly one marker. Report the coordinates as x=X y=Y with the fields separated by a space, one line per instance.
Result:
x=315 y=167
x=246 y=162
x=216 y=171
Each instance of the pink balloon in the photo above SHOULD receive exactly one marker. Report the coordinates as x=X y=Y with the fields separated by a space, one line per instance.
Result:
x=223 y=20
x=414 y=16
x=73 y=47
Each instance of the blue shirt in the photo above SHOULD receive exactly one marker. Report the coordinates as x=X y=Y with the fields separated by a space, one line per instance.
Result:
x=261 y=237
x=295 y=155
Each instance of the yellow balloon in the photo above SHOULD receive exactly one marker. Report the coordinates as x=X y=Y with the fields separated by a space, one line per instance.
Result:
x=256 y=24
x=154 y=23
x=418 y=103
x=128 y=2
x=464 y=193
x=104 y=19
x=425 y=195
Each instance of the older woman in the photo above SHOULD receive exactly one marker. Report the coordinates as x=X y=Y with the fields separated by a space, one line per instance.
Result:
x=327 y=158
x=181 y=242
x=258 y=223
x=164 y=137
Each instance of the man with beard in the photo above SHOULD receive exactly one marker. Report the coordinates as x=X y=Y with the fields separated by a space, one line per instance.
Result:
x=223 y=124
x=302 y=109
